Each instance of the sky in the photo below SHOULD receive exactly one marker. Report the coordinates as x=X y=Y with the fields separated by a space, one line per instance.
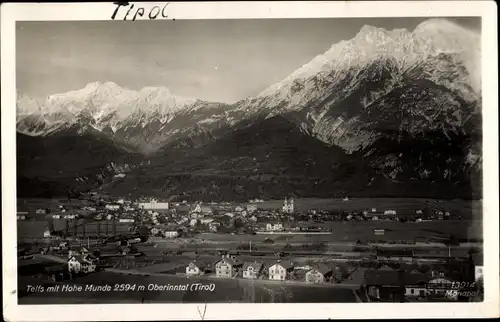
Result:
x=214 y=60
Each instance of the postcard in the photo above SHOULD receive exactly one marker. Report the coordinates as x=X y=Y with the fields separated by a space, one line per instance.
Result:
x=249 y=160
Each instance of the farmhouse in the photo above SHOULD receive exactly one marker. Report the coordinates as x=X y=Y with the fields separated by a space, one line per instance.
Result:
x=319 y=274
x=46 y=233
x=227 y=267
x=252 y=270
x=41 y=211
x=196 y=268
x=56 y=216
x=281 y=270
x=21 y=215
x=238 y=209
x=80 y=264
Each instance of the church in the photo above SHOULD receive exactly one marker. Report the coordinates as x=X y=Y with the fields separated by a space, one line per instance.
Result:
x=288 y=206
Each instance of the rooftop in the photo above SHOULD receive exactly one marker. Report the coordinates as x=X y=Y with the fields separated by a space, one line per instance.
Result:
x=322 y=268
x=285 y=264
x=256 y=265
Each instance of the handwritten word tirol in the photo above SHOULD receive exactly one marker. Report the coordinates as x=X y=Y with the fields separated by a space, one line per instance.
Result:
x=152 y=14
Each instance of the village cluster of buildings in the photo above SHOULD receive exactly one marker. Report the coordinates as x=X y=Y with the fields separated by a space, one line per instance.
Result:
x=383 y=283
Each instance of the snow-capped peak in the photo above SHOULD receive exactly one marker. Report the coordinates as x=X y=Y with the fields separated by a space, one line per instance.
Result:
x=431 y=37
x=105 y=105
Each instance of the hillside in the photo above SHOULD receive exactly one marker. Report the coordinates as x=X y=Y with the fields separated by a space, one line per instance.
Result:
x=387 y=113
x=58 y=165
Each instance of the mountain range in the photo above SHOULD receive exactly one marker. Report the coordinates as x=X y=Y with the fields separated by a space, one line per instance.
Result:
x=386 y=113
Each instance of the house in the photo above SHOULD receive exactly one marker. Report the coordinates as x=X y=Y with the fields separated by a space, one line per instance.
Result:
x=41 y=211
x=21 y=216
x=379 y=232
x=197 y=209
x=80 y=264
x=281 y=270
x=206 y=220
x=416 y=285
x=46 y=233
x=390 y=212
x=375 y=218
x=214 y=226
x=251 y=208
x=227 y=267
x=196 y=268
x=274 y=227
x=126 y=220
x=385 y=285
x=206 y=210
x=171 y=234
x=112 y=206
x=252 y=270
x=195 y=215
x=319 y=274
x=438 y=287
x=229 y=214
x=193 y=222
x=183 y=220
x=238 y=209
x=477 y=260
x=56 y=216
x=356 y=276
x=288 y=206
x=70 y=216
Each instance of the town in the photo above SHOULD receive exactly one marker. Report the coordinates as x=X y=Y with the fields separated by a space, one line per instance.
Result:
x=367 y=250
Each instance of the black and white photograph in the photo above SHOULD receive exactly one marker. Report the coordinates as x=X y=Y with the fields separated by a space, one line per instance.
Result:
x=264 y=160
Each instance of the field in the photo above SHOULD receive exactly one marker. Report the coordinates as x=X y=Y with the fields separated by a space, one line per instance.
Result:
x=226 y=291
x=351 y=232
x=468 y=209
